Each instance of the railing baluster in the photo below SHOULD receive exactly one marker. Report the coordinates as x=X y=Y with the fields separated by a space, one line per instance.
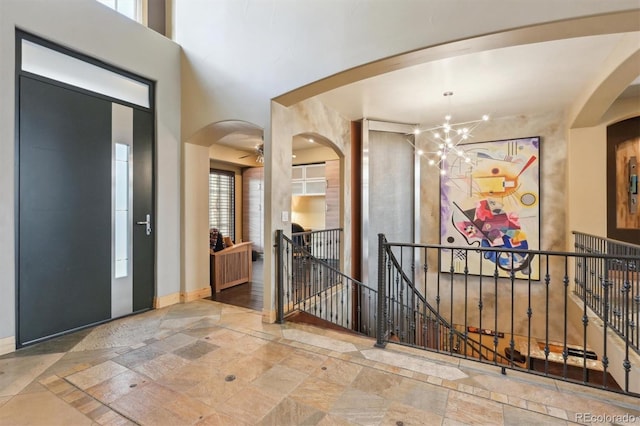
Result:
x=604 y=274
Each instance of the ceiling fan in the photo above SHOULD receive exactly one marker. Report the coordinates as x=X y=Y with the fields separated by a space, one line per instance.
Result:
x=259 y=153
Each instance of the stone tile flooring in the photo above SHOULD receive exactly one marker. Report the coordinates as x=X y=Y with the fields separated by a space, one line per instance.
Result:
x=205 y=363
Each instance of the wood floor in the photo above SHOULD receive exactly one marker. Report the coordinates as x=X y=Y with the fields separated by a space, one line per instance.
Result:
x=248 y=295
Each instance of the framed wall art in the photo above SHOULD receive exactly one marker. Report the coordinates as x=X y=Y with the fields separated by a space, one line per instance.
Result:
x=493 y=200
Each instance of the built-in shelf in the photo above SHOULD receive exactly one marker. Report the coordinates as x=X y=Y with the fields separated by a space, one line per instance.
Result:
x=308 y=180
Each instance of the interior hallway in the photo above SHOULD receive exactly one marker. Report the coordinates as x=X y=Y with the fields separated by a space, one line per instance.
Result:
x=205 y=363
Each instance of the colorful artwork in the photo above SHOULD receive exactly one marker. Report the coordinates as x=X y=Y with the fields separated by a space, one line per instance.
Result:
x=493 y=201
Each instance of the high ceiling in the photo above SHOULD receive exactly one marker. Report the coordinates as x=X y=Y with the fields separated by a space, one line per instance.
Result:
x=524 y=79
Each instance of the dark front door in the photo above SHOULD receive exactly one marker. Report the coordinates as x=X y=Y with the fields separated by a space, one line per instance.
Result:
x=143 y=235
x=65 y=211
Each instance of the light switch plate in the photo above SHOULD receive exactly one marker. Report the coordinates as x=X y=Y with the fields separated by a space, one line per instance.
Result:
x=285 y=216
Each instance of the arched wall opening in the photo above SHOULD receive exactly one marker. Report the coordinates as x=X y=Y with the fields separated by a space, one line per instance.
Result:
x=230 y=146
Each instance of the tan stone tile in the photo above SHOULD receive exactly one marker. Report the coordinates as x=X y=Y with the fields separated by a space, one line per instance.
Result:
x=49 y=379
x=398 y=413
x=155 y=404
x=519 y=416
x=434 y=380
x=425 y=397
x=338 y=371
x=279 y=379
x=482 y=393
x=74 y=395
x=557 y=412
x=517 y=402
x=120 y=385
x=61 y=387
x=449 y=384
x=220 y=356
x=88 y=406
x=272 y=352
x=500 y=397
x=303 y=361
x=42 y=408
x=248 y=344
x=111 y=418
x=97 y=374
x=261 y=403
x=471 y=409
x=247 y=368
x=333 y=420
x=219 y=419
x=98 y=412
x=539 y=408
x=18 y=372
x=161 y=366
x=33 y=387
x=4 y=399
x=318 y=393
x=213 y=389
x=360 y=407
x=290 y=412
x=462 y=387
x=377 y=382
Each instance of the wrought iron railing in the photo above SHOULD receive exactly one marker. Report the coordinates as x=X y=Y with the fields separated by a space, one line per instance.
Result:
x=515 y=309
x=309 y=280
x=608 y=280
x=507 y=307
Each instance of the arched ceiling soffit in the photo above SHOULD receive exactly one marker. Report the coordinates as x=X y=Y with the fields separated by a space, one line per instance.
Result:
x=311 y=144
x=612 y=23
x=232 y=133
x=623 y=68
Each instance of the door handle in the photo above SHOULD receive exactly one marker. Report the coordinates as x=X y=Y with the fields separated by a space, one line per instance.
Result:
x=147 y=224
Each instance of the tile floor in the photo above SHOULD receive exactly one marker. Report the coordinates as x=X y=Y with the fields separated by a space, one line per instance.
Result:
x=205 y=363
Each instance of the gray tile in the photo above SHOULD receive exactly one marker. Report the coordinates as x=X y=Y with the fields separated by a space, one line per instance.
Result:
x=195 y=350
x=137 y=357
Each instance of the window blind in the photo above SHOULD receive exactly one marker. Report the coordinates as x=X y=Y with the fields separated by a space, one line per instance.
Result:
x=222 y=202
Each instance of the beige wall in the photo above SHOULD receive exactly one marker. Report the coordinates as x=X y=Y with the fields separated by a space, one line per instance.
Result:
x=196 y=218
x=99 y=32
x=308 y=211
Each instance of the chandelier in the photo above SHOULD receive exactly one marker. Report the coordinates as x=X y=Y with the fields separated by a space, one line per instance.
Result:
x=447 y=139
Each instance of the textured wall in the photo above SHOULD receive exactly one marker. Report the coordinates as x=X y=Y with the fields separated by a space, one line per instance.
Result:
x=306 y=117
x=551 y=127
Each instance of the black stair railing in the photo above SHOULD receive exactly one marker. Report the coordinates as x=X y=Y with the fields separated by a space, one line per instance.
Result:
x=513 y=308
x=528 y=310
x=309 y=280
x=411 y=319
x=610 y=285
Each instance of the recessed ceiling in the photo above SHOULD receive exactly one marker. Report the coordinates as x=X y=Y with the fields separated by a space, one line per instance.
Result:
x=524 y=79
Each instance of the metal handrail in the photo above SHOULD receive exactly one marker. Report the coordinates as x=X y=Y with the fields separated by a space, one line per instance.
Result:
x=515 y=325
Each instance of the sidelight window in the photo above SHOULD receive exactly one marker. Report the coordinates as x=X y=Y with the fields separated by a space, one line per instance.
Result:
x=121 y=210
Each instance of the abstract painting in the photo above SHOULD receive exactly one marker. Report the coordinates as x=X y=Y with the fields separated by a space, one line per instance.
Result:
x=493 y=201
